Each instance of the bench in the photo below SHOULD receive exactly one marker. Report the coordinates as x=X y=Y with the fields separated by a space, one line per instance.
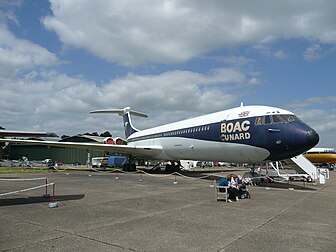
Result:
x=221 y=193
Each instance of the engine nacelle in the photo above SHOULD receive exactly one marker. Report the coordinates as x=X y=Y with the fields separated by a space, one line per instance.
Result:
x=117 y=140
x=108 y=140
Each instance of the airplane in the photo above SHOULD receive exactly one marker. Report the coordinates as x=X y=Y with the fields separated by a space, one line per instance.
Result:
x=245 y=134
x=321 y=155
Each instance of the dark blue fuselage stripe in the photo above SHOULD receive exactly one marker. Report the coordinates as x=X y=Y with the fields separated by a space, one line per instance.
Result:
x=206 y=132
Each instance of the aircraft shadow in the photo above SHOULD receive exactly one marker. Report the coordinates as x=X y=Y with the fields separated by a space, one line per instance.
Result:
x=211 y=177
x=282 y=185
x=275 y=184
x=191 y=173
x=39 y=199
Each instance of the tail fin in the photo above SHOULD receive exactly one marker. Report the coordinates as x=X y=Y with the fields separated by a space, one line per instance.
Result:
x=126 y=114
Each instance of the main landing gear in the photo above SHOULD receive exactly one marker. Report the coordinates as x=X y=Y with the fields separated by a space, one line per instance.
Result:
x=130 y=165
x=173 y=166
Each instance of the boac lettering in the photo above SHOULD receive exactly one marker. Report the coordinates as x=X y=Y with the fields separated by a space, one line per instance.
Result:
x=235 y=131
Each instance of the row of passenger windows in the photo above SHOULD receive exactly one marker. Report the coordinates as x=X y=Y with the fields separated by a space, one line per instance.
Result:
x=187 y=131
x=273 y=119
x=174 y=133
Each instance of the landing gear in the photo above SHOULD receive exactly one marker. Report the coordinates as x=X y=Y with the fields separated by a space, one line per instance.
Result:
x=173 y=166
x=130 y=166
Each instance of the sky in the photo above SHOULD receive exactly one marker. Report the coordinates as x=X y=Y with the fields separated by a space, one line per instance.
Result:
x=173 y=59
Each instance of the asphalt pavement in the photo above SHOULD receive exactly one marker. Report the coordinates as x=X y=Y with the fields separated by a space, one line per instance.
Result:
x=117 y=212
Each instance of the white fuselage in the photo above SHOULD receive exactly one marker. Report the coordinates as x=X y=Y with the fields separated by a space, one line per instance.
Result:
x=205 y=137
x=177 y=148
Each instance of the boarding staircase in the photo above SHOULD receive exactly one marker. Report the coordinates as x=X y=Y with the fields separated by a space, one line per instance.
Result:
x=302 y=165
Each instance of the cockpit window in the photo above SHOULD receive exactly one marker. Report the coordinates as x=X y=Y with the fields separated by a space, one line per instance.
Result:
x=274 y=119
x=289 y=118
x=260 y=120
x=268 y=120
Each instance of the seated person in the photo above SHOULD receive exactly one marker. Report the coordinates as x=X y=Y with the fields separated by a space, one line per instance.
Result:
x=233 y=189
x=223 y=182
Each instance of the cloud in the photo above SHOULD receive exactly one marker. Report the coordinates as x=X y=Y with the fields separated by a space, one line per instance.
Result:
x=320 y=113
x=7 y=10
x=238 y=61
x=280 y=54
x=48 y=100
x=35 y=96
x=142 y=32
x=313 y=53
x=17 y=55
x=254 y=81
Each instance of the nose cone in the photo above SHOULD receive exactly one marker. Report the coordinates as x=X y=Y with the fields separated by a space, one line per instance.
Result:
x=312 y=138
x=294 y=139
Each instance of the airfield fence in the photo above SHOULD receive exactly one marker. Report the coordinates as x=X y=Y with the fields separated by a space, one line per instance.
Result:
x=45 y=185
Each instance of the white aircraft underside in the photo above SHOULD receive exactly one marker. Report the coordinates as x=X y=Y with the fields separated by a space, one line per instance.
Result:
x=193 y=149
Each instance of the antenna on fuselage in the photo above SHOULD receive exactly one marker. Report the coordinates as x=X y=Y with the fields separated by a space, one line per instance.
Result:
x=242 y=104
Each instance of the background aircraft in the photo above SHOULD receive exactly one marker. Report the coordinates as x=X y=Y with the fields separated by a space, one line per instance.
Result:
x=321 y=156
x=246 y=134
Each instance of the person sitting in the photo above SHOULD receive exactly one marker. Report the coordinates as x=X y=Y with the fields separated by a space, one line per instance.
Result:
x=233 y=189
x=223 y=182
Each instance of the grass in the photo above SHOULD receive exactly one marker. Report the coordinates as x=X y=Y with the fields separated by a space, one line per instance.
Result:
x=21 y=170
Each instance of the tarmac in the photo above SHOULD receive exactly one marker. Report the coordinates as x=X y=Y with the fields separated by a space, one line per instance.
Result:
x=117 y=212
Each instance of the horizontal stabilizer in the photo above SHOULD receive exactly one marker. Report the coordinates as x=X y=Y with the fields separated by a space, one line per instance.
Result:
x=120 y=112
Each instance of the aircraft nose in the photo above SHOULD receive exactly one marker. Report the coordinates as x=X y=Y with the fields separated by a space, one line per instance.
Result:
x=312 y=138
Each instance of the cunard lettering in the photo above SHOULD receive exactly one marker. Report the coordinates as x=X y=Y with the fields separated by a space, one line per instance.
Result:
x=234 y=131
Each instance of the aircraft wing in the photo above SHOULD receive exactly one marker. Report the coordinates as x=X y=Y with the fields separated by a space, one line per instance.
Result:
x=145 y=151
x=12 y=133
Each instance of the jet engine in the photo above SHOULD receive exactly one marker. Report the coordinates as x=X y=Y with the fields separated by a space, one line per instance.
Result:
x=108 y=140
x=117 y=140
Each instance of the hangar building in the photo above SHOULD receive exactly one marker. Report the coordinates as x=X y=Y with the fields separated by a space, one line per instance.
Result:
x=64 y=155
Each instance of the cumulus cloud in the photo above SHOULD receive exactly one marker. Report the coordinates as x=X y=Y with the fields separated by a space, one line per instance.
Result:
x=19 y=54
x=313 y=53
x=134 y=33
x=34 y=96
x=320 y=113
x=53 y=101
